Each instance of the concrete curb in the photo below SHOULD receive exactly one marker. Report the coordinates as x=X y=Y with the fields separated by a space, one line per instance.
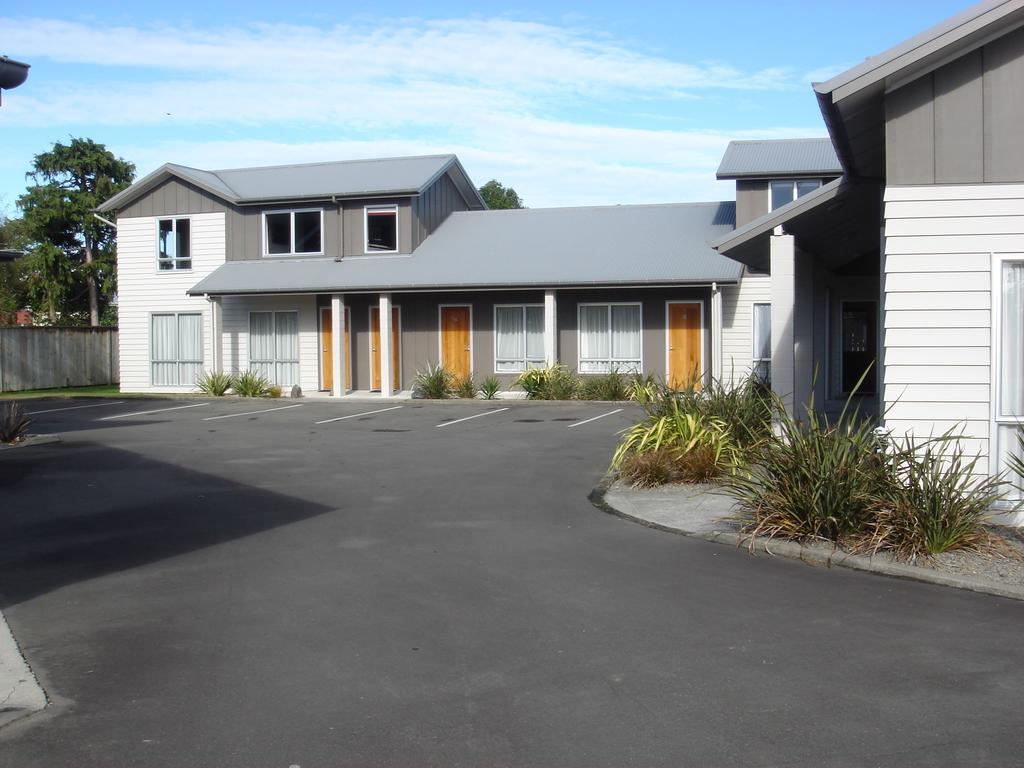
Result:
x=816 y=554
x=20 y=694
x=30 y=441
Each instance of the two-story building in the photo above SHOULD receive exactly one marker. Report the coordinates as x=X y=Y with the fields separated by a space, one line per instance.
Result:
x=352 y=276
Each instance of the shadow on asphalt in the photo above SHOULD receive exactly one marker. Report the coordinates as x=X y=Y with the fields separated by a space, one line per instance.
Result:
x=71 y=512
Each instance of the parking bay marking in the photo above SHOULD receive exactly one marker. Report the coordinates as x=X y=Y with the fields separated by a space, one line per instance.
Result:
x=251 y=413
x=354 y=415
x=467 y=418
x=73 y=408
x=581 y=423
x=147 y=413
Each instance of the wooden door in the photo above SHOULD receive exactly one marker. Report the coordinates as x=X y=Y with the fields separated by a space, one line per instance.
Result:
x=396 y=373
x=684 y=344
x=327 y=350
x=456 y=352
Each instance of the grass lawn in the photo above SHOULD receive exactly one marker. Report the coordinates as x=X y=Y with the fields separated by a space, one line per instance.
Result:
x=100 y=390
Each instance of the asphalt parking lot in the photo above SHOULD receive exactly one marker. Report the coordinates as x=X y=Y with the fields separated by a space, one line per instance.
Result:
x=279 y=583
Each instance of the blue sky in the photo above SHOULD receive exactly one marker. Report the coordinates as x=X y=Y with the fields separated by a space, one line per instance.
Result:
x=570 y=103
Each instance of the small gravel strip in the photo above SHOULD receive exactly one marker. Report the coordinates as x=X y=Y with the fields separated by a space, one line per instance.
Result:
x=31 y=440
x=697 y=511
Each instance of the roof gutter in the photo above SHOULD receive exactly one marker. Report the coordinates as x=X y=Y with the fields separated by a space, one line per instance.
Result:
x=470 y=288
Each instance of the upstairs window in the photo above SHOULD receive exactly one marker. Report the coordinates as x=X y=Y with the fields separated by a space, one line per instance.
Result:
x=784 y=192
x=382 y=229
x=293 y=233
x=174 y=244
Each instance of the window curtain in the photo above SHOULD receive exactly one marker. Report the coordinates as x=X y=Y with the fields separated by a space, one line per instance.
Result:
x=261 y=344
x=287 y=348
x=163 y=346
x=535 y=335
x=626 y=337
x=190 y=348
x=1011 y=372
x=762 y=331
x=594 y=342
x=509 y=338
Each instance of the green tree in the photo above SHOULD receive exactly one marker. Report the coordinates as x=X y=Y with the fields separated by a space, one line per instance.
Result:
x=497 y=195
x=71 y=272
x=12 y=284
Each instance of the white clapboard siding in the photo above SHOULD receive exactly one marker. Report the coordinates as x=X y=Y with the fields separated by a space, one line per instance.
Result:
x=142 y=290
x=235 y=318
x=738 y=323
x=937 y=284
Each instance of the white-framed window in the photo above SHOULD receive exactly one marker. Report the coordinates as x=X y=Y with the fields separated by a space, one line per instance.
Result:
x=274 y=346
x=518 y=337
x=783 y=192
x=175 y=348
x=173 y=244
x=762 y=338
x=1009 y=353
x=293 y=233
x=380 y=223
x=610 y=338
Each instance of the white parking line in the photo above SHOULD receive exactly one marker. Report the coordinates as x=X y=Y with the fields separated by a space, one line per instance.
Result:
x=581 y=423
x=477 y=416
x=74 y=407
x=146 y=413
x=251 y=413
x=354 y=415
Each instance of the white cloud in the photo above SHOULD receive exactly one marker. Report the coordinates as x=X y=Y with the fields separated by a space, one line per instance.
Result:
x=500 y=93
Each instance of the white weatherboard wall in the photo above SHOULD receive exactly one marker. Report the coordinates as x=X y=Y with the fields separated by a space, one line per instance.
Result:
x=738 y=323
x=235 y=318
x=937 y=286
x=143 y=290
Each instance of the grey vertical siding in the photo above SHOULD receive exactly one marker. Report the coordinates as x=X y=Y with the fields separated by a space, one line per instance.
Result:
x=420 y=332
x=44 y=358
x=752 y=200
x=172 y=197
x=431 y=208
x=962 y=123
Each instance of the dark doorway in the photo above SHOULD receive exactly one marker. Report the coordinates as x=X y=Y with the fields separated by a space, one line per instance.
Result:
x=860 y=346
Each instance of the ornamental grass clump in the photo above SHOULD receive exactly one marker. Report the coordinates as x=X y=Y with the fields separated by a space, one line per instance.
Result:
x=555 y=382
x=696 y=447
x=605 y=386
x=933 y=499
x=215 y=383
x=434 y=383
x=14 y=423
x=809 y=479
x=464 y=386
x=490 y=387
x=251 y=384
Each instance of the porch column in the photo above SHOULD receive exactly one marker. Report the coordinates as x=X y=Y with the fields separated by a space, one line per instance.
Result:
x=550 y=329
x=783 y=294
x=716 y=332
x=337 y=345
x=385 y=345
x=217 y=333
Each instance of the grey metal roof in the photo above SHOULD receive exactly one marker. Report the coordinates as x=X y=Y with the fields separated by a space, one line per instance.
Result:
x=839 y=223
x=391 y=176
x=535 y=247
x=780 y=157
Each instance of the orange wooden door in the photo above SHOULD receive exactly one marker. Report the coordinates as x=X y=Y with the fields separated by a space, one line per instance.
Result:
x=684 y=344
x=455 y=340
x=396 y=374
x=327 y=350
